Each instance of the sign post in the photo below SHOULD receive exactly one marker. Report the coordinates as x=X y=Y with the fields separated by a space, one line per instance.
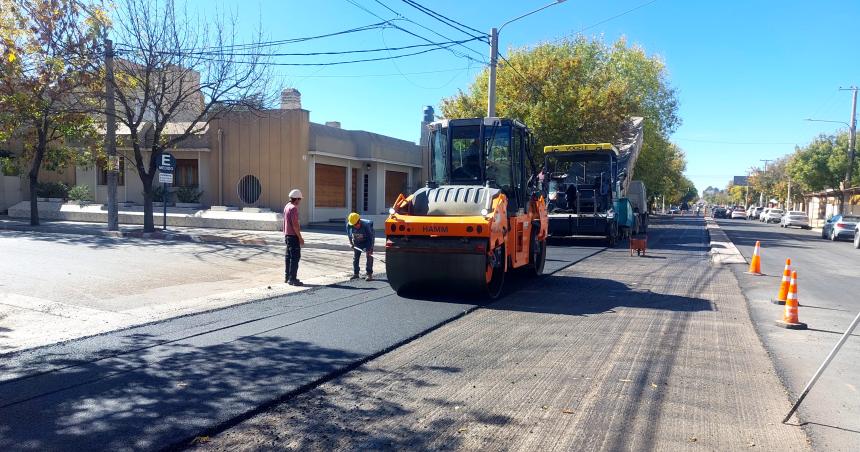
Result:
x=165 y=176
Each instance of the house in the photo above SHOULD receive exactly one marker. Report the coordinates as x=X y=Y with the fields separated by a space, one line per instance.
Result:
x=251 y=160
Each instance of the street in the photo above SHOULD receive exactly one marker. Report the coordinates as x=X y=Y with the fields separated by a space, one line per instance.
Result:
x=660 y=355
x=828 y=280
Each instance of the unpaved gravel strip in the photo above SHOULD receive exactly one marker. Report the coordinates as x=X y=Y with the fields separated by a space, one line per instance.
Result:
x=661 y=357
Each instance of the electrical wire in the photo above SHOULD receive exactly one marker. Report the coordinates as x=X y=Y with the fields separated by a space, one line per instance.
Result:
x=482 y=38
x=444 y=19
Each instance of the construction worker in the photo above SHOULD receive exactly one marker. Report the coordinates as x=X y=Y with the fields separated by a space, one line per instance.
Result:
x=361 y=239
x=293 y=238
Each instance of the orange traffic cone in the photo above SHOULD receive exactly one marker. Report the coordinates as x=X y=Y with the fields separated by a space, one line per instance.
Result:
x=789 y=316
x=755 y=262
x=784 y=285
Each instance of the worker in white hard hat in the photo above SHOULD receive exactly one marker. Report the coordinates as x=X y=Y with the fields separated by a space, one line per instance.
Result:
x=361 y=239
x=293 y=238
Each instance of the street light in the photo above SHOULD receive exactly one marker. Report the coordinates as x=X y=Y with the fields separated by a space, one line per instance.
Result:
x=494 y=53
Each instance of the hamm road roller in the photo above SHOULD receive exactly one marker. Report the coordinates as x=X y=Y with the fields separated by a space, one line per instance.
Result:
x=480 y=215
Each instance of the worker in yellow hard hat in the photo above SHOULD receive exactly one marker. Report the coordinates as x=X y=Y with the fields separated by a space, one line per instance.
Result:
x=361 y=239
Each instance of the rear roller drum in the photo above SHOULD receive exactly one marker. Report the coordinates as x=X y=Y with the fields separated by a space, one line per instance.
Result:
x=537 y=257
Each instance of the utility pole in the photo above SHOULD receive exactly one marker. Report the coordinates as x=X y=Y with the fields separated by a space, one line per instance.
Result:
x=852 y=128
x=494 y=61
x=761 y=195
x=110 y=139
x=494 y=57
x=788 y=198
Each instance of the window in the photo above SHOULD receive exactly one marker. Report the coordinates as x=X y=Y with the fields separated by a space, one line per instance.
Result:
x=366 y=192
x=439 y=151
x=102 y=172
x=186 y=174
x=465 y=155
x=395 y=184
x=330 y=186
x=499 y=158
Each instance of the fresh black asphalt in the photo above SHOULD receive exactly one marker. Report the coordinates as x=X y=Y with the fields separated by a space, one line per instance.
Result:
x=160 y=385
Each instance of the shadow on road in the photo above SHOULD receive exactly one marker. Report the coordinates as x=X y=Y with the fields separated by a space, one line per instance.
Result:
x=112 y=403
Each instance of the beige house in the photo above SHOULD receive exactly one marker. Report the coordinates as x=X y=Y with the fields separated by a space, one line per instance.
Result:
x=253 y=159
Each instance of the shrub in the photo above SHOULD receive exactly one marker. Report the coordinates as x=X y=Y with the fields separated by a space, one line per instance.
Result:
x=8 y=164
x=80 y=193
x=52 y=190
x=188 y=194
x=159 y=193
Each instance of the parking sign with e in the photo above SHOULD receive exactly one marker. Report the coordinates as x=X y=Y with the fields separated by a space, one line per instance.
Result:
x=168 y=162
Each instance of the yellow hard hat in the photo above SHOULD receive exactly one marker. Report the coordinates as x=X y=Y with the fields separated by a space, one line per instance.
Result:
x=353 y=218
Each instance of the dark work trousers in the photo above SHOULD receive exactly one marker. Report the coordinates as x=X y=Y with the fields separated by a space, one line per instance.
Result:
x=356 y=255
x=291 y=259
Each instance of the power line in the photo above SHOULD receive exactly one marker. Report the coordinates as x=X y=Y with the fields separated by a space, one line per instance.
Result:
x=401 y=16
x=608 y=19
x=758 y=143
x=340 y=52
x=444 y=19
x=398 y=74
x=359 y=6
x=332 y=63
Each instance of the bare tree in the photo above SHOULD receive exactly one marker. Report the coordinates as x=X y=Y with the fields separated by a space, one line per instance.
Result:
x=45 y=91
x=174 y=73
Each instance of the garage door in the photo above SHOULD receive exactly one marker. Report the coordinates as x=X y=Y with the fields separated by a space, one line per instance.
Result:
x=395 y=184
x=330 y=185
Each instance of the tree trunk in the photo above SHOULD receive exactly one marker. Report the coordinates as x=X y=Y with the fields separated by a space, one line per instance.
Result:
x=148 y=223
x=33 y=175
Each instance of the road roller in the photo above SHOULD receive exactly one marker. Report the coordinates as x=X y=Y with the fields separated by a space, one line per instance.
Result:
x=480 y=215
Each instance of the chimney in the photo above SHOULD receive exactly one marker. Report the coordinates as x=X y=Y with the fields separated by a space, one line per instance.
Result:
x=291 y=99
x=335 y=124
x=428 y=114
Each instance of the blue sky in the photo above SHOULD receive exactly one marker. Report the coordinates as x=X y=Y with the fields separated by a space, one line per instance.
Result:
x=747 y=72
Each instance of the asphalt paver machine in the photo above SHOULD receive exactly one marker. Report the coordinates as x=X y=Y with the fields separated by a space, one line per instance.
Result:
x=480 y=216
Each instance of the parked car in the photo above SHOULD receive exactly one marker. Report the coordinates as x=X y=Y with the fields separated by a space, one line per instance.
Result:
x=794 y=218
x=840 y=227
x=763 y=214
x=738 y=212
x=857 y=236
x=773 y=215
x=721 y=212
x=753 y=212
x=674 y=210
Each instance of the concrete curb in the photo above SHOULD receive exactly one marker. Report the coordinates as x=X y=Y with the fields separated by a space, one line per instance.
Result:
x=723 y=251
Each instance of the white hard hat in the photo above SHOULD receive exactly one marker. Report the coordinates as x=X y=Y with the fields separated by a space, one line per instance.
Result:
x=296 y=193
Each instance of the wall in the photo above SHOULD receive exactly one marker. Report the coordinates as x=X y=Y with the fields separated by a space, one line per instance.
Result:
x=270 y=145
x=10 y=191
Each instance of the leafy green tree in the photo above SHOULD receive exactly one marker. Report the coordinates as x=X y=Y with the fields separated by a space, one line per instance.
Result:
x=582 y=91
x=44 y=87
x=822 y=163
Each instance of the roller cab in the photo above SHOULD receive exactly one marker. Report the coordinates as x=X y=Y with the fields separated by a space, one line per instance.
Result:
x=478 y=217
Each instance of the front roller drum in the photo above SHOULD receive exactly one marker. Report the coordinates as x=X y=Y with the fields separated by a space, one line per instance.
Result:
x=459 y=271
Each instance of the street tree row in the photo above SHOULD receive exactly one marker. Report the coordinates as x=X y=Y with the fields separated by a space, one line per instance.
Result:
x=582 y=90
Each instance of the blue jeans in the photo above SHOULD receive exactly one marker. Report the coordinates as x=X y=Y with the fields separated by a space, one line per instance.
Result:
x=292 y=257
x=356 y=255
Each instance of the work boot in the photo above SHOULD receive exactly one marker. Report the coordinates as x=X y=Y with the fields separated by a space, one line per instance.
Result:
x=369 y=277
x=354 y=276
x=295 y=282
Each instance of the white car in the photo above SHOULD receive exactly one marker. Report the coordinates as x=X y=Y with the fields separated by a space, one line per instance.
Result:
x=763 y=214
x=773 y=216
x=794 y=218
x=739 y=213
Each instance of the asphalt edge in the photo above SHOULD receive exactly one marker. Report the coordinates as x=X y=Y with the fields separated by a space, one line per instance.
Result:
x=722 y=249
x=736 y=270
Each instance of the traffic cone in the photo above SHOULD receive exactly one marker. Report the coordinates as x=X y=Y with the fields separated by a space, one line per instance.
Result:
x=789 y=315
x=784 y=285
x=755 y=262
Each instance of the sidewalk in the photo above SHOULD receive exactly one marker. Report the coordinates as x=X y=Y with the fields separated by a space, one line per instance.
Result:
x=69 y=280
x=324 y=238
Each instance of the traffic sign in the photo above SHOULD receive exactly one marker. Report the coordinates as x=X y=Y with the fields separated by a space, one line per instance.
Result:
x=167 y=163
x=165 y=178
